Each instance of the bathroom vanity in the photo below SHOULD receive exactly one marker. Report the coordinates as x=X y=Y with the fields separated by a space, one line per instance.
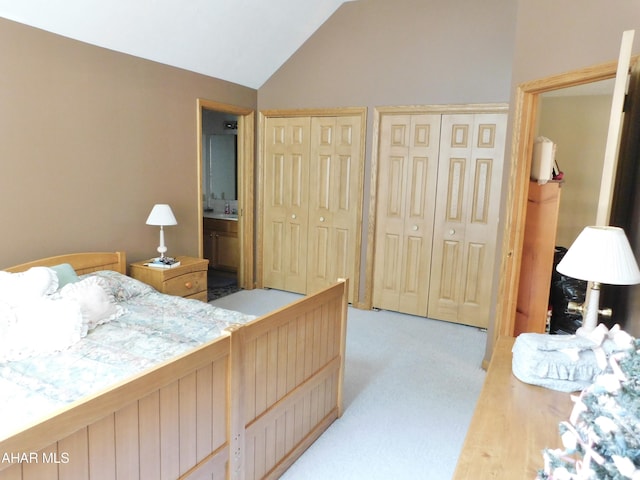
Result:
x=220 y=240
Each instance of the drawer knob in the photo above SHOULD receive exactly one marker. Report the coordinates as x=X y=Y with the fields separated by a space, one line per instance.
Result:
x=188 y=284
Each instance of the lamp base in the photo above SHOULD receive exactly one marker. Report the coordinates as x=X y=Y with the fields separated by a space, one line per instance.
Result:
x=162 y=248
x=583 y=332
x=575 y=307
x=590 y=314
x=590 y=311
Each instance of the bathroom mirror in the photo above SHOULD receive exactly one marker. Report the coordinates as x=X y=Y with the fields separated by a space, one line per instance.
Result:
x=219 y=156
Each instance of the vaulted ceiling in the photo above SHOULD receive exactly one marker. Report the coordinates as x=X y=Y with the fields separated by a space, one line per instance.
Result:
x=241 y=41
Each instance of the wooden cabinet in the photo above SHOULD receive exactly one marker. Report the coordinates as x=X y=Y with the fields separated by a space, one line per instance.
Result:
x=221 y=244
x=189 y=279
x=512 y=423
x=536 y=266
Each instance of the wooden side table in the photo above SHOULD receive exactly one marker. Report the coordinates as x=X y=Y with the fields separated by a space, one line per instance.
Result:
x=189 y=279
x=512 y=423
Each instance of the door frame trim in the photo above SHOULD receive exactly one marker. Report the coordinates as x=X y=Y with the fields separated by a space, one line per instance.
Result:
x=367 y=302
x=246 y=202
x=310 y=112
x=523 y=131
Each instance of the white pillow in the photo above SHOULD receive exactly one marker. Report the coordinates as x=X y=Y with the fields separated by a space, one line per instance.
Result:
x=42 y=326
x=7 y=323
x=24 y=287
x=96 y=304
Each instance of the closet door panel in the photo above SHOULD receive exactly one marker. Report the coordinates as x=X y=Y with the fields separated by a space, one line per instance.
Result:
x=447 y=280
x=416 y=259
x=449 y=225
x=393 y=158
x=387 y=273
x=274 y=238
x=482 y=221
x=411 y=279
x=286 y=180
x=471 y=160
x=472 y=289
x=335 y=197
x=408 y=162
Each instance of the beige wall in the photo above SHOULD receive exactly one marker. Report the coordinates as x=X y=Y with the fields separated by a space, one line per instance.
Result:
x=90 y=139
x=402 y=52
x=407 y=52
x=578 y=125
x=555 y=37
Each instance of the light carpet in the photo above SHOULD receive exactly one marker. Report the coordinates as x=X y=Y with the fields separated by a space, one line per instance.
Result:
x=411 y=385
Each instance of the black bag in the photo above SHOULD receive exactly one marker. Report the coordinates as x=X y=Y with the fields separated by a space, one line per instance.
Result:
x=565 y=289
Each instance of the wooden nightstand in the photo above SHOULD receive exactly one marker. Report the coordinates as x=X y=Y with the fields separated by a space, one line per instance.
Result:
x=188 y=280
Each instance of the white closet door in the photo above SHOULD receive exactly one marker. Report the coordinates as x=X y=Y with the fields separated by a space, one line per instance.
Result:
x=466 y=219
x=286 y=182
x=406 y=192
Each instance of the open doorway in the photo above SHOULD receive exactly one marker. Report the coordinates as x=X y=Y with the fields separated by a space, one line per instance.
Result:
x=576 y=120
x=225 y=194
x=220 y=242
x=526 y=115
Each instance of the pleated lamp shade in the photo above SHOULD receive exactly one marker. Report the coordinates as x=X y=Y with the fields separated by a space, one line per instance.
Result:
x=601 y=254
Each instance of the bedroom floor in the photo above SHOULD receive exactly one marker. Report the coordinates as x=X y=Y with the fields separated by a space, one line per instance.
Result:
x=220 y=284
x=410 y=389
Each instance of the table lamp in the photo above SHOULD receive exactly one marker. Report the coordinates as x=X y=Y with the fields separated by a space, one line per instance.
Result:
x=161 y=215
x=599 y=255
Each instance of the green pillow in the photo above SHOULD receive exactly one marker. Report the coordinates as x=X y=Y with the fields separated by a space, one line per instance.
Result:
x=66 y=274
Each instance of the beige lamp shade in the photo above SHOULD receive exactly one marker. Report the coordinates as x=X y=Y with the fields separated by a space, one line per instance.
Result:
x=601 y=254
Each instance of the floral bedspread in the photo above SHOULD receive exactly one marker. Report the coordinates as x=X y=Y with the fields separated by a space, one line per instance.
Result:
x=154 y=328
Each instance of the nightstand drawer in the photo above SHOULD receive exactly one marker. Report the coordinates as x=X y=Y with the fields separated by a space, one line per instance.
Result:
x=189 y=279
x=187 y=284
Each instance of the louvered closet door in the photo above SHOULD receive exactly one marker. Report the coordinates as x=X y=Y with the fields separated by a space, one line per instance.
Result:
x=286 y=181
x=335 y=194
x=465 y=227
x=407 y=174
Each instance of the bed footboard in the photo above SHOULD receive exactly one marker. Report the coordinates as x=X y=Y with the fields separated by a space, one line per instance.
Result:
x=291 y=373
x=243 y=406
x=169 y=423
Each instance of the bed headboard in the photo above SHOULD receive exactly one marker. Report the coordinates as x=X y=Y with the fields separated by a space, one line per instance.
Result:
x=81 y=262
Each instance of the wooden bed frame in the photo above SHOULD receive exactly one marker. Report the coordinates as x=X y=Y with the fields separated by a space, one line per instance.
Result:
x=243 y=406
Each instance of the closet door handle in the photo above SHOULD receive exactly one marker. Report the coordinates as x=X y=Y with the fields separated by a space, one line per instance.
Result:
x=293 y=215
x=414 y=228
x=452 y=232
x=322 y=219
